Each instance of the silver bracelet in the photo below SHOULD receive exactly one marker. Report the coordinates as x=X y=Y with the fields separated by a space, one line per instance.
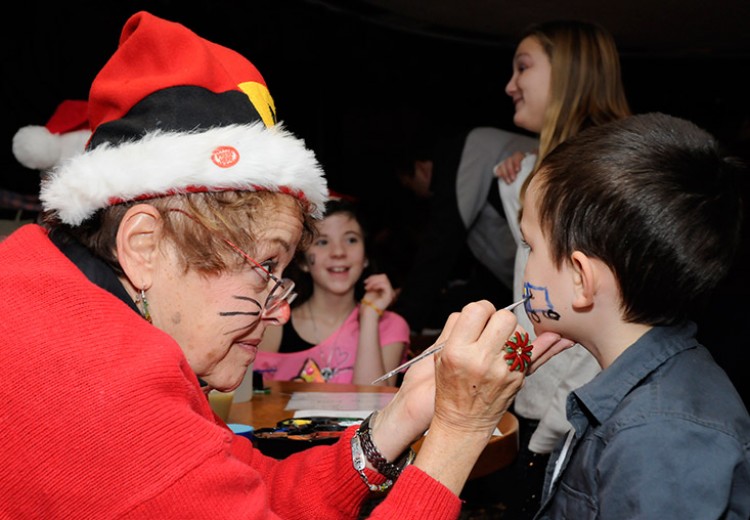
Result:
x=363 y=449
x=359 y=462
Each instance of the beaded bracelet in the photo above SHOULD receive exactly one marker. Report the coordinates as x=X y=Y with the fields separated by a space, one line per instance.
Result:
x=362 y=446
x=373 y=307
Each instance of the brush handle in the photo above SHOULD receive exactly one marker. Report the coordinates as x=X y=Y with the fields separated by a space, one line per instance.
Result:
x=434 y=349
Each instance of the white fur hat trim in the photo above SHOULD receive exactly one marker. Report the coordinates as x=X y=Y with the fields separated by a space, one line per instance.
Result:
x=163 y=163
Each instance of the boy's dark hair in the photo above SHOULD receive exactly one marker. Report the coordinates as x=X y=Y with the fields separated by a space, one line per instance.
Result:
x=654 y=199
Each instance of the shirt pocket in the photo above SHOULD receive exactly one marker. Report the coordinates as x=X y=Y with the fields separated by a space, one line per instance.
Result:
x=570 y=503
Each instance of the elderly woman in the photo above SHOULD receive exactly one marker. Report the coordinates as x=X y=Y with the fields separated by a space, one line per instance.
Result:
x=158 y=268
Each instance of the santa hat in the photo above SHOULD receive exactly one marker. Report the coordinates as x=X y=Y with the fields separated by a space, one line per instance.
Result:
x=64 y=135
x=174 y=113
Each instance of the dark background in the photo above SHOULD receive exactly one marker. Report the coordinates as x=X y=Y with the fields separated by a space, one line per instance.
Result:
x=356 y=79
x=359 y=79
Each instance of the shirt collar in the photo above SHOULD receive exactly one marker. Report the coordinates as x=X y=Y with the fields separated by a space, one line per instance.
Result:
x=95 y=269
x=603 y=394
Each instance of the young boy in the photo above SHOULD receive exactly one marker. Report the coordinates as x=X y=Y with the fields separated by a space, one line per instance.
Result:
x=629 y=225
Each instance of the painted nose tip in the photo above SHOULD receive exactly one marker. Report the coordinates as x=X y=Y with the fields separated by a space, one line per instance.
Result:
x=284 y=312
x=279 y=314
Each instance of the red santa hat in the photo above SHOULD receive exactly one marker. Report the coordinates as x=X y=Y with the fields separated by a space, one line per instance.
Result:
x=64 y=136
x=170 y=113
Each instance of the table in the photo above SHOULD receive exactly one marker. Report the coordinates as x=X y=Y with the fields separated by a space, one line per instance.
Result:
x=264 y=410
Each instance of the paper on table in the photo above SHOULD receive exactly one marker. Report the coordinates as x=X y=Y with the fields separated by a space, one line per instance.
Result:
x=337 y=402
x=344 y=417
x=355 y=405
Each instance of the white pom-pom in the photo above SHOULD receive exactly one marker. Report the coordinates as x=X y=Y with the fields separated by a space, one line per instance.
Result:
x=36 y=148
x=73 y=143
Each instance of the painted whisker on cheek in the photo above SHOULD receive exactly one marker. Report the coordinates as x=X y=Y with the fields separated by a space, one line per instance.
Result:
x=239 y=313
x=311 y=259
x=251 y=300
x=538 y=303
x=253 y=313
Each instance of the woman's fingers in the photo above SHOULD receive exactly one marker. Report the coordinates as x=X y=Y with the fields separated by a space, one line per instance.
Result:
x=416 y=396
x=471 y=323
x=547 y=345
x=474 y=385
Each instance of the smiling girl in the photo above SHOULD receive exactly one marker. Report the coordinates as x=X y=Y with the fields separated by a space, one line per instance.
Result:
x=334 y=336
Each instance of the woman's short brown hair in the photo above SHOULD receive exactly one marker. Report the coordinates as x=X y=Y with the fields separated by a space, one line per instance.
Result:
x=199 y=241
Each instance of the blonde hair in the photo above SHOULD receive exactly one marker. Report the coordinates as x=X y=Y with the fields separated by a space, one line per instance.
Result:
x=586 y=82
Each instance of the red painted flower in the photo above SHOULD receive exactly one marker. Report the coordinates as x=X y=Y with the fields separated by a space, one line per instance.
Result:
x=518 y=350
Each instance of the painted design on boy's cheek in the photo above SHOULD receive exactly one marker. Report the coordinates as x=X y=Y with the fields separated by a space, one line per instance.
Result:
x=311 y=260
x=538 y=302
x=255 y=314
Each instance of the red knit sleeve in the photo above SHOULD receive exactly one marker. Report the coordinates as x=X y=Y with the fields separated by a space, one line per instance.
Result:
x=321 y=483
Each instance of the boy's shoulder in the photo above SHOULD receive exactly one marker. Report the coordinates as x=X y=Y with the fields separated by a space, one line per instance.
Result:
x=670 y=378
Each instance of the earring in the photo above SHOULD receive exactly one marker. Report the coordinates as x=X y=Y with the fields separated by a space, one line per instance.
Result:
x=367 y=263
x=144 y=305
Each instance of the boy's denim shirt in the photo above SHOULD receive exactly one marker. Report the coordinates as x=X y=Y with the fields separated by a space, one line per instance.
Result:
x=661 y=433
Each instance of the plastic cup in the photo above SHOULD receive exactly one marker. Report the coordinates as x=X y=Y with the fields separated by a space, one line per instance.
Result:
x=221 y=403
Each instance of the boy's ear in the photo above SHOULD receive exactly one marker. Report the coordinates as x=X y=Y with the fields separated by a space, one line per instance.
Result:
x=585 y=280
x=137 y=244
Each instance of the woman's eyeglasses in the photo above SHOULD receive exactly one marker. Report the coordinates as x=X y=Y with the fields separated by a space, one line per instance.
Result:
x=283 y=288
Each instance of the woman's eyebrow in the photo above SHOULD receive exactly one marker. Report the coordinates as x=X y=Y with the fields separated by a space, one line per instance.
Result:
x=286 y=246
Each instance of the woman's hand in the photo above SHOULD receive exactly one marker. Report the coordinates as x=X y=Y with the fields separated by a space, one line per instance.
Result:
x=546 y=345
x=467 y=385
x=410 y=412
x=508 y=169
x=474 y=385
x=473 y=388
x=460 y=393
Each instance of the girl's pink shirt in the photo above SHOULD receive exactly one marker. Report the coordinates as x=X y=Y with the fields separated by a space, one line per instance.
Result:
x=332 y=360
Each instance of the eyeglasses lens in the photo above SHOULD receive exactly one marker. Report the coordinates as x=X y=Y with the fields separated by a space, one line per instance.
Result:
x=281 y=292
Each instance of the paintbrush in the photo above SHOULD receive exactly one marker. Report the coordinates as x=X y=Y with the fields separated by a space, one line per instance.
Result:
x=434 y=349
